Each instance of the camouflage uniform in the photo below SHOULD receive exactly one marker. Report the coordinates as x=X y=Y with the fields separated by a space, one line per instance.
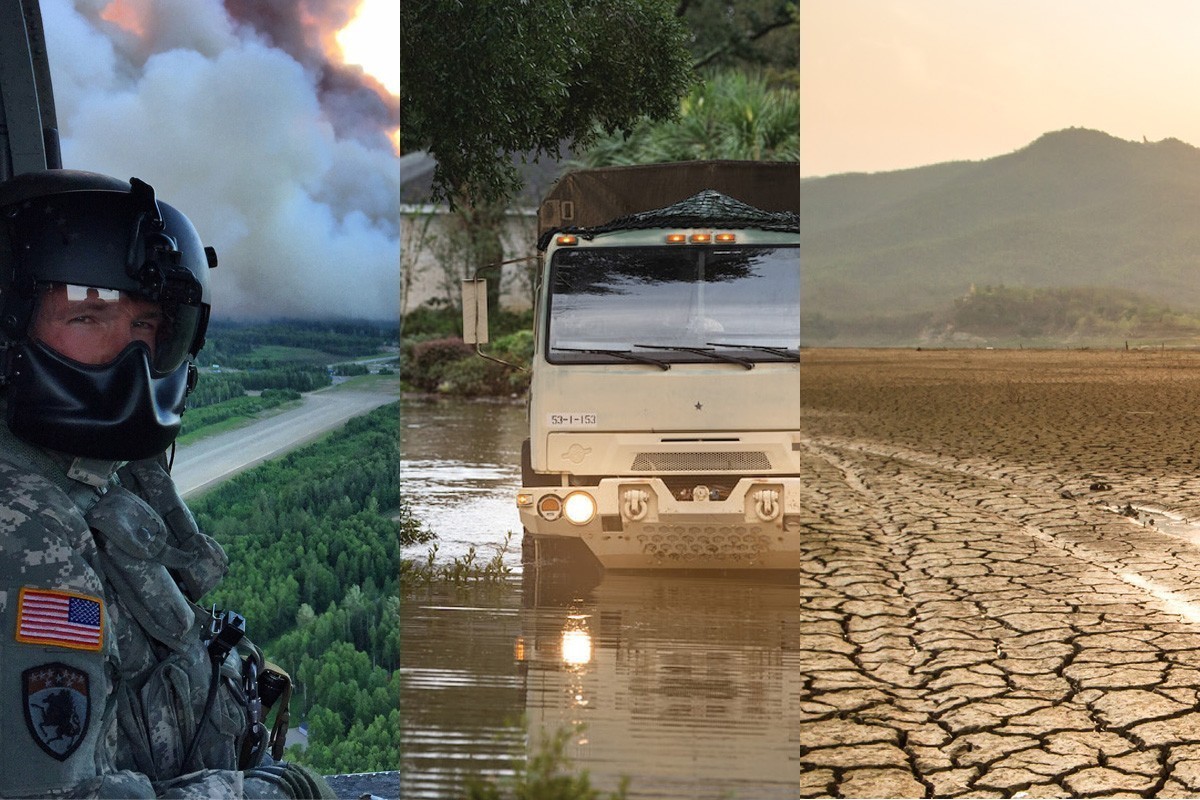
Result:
x=107 y=688
x=104 y=671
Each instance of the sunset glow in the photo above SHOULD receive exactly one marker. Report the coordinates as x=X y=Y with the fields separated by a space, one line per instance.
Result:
x=892 y=84
x=372 y=41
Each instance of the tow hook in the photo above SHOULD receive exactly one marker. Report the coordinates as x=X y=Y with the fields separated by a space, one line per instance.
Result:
x=635 y=504
x=766 y=504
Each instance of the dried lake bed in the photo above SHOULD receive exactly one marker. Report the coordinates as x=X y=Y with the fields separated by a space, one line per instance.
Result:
x=1001 y=594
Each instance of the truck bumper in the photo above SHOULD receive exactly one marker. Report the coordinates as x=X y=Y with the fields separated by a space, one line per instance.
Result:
x=639 y=524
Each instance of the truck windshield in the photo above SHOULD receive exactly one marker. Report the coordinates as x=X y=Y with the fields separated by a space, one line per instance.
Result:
x=742 y=301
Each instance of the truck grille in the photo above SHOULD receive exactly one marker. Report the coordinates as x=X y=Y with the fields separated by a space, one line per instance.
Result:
x=701 y=462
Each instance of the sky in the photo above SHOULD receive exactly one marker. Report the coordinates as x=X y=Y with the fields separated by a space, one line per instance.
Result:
x=247 y=116
x=895 y=84
x=369 y=41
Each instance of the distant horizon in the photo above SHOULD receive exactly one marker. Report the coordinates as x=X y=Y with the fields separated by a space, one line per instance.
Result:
x=221 y=320
x=1062 y=224
x=807 y=176
x=887 y=85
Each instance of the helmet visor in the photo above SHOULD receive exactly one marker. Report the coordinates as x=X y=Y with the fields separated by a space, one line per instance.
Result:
x=93 y=325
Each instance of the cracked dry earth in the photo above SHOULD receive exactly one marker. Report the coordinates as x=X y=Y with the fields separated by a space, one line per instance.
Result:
x=1002 y=582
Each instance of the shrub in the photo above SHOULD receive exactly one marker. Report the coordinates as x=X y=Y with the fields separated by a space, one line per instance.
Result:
x=437 y=319
x=505 y=322
x=448 y=365
x=431 y=320
x=430 y=360
x=516 y=347
x=475 y=376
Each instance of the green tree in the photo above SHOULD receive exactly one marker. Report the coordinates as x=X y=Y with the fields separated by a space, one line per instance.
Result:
x=734 y=115
x=482 y=82
x=760 y=34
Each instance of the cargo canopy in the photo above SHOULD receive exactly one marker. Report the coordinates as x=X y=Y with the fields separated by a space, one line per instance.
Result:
x=592 y=197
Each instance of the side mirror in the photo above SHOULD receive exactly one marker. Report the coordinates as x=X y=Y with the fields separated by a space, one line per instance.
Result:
x=474 y=310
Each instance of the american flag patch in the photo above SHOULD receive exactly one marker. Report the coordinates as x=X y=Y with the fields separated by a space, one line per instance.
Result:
x=60 y=618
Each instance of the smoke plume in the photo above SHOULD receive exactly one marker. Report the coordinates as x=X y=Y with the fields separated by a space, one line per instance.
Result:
x=238 y=117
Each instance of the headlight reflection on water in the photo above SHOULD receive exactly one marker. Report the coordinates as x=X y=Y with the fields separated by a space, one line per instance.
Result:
x=576 y=648
x=576 y=642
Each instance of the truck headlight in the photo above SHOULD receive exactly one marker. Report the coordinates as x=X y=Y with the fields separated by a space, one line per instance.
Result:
x=579 y=508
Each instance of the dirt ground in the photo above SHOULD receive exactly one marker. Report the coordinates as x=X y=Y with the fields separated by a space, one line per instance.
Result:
x=1003 y=574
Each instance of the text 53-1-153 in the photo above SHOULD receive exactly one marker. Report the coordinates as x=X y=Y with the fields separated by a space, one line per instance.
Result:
x=573 y=420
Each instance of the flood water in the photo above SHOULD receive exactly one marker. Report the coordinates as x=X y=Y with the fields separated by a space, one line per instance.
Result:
x=460 y=464
x=687 y=685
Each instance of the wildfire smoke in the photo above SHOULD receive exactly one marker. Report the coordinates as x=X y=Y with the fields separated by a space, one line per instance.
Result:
x=240 y=114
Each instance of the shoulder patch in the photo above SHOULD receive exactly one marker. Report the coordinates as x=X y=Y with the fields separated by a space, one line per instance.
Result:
x=58 y=707
x=65 y=619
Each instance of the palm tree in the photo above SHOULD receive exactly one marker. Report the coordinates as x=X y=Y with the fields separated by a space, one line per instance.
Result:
x=734 y=115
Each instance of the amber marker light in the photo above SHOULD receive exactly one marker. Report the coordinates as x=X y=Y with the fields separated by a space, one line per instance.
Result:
x=524 y=499
x=726 y=238
x=566 y=240
x=676 y=238
x=701 y=238
x=550 y=508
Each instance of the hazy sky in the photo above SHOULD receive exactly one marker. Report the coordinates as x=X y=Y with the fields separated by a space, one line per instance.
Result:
x=891 y=84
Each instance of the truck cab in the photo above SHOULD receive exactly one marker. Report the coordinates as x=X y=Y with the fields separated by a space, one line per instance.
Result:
x=664 y=405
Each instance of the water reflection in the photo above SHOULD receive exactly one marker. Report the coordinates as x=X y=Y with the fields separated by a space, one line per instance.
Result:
x=689 y=685
x=460 y=701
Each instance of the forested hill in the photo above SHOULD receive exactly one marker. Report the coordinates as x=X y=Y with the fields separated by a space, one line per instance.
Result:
x=1075 y=209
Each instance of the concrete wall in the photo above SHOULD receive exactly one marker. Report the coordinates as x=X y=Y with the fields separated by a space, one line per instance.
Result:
x=430 y=268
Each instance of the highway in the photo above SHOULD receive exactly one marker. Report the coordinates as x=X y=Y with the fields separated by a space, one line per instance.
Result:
x=206 y=463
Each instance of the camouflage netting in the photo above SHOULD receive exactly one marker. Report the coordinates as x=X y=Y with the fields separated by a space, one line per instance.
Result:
x=706 y=209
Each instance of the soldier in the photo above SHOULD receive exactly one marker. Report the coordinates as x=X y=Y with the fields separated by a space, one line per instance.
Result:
x=113 y=682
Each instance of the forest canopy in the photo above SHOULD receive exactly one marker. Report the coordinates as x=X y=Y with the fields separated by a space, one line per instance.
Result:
x=314 y=547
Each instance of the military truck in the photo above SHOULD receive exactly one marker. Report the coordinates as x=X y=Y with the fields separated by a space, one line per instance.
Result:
x=664 y=405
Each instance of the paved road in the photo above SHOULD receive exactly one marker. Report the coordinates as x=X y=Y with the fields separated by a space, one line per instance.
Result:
x=202 y=465
x=1002 y=586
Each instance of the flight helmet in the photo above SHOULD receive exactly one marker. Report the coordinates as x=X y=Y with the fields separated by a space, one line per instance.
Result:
x=103 y=238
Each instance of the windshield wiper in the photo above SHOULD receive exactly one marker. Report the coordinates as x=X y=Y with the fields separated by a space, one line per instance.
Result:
x=779 y=351
x=625 y=354
x=702 y=351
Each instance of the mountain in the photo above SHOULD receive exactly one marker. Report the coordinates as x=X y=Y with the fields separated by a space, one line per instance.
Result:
x=1075 y=209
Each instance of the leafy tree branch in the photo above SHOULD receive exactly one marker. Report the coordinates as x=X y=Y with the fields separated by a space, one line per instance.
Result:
x=485 y=83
